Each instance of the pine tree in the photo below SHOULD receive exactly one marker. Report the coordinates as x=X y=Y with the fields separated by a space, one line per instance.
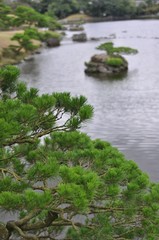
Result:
x=59 y=181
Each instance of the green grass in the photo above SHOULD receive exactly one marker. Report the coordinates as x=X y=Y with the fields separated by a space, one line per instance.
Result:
x=78 y=17
x=114 y=61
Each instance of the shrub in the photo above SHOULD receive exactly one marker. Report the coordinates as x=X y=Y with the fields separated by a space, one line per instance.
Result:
x=49 y=34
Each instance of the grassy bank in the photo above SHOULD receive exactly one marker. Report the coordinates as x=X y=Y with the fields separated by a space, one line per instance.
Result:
x=5 y=41
x=5 y=37
x=76 y=18
x=83 y=18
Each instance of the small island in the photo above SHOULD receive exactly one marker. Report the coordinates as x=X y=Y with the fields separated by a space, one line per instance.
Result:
x=111 y=62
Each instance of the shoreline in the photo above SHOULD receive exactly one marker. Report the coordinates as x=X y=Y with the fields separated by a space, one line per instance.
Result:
x=87 y=19
x=79 y=19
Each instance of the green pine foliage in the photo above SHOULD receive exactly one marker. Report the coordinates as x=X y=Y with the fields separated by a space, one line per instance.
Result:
x=57 y=179
x=8 y=79
x=5 y=17
x=110 y=49
x=25 y=40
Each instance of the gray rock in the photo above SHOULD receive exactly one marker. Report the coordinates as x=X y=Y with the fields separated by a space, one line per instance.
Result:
x=52 y=42
x=82 y=37
x=99 y=58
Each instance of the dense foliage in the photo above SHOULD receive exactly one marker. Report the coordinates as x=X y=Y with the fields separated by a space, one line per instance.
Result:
x=96 y=8
x=5 y=17
x=27 y=15
x=63 y=8
x=24 y=15
x=57 y=180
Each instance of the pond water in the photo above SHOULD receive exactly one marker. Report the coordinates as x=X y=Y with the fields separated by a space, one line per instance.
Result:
x=126 y=110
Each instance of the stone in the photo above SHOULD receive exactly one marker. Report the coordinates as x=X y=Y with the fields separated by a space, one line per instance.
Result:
x=99 y=58
x=82 y=37
x=53 y=42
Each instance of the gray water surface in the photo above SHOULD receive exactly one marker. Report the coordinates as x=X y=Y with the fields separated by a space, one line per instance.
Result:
x=126 y=110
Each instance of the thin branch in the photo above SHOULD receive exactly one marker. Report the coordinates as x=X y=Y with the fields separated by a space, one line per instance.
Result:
x=33 y=136
x=3 y=170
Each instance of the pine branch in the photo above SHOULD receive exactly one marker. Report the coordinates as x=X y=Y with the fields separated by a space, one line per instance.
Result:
x=41 y=225
x=24 y=220
x=33 y=136
x=11 y=226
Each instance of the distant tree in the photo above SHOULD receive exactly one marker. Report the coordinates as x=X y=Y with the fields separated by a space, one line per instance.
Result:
x=43 y=5
x=151 y=8
x=150 y=2
x=66 y=183
x=63 y=8
x=125 y=8
x=140 y=10
x=97 y=8
x=111 y=8
x=28 y=16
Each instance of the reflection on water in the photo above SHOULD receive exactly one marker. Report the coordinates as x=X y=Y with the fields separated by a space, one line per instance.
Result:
x=127 y=110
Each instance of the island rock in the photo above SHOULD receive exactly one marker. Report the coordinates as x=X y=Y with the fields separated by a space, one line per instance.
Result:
x=106 y=64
